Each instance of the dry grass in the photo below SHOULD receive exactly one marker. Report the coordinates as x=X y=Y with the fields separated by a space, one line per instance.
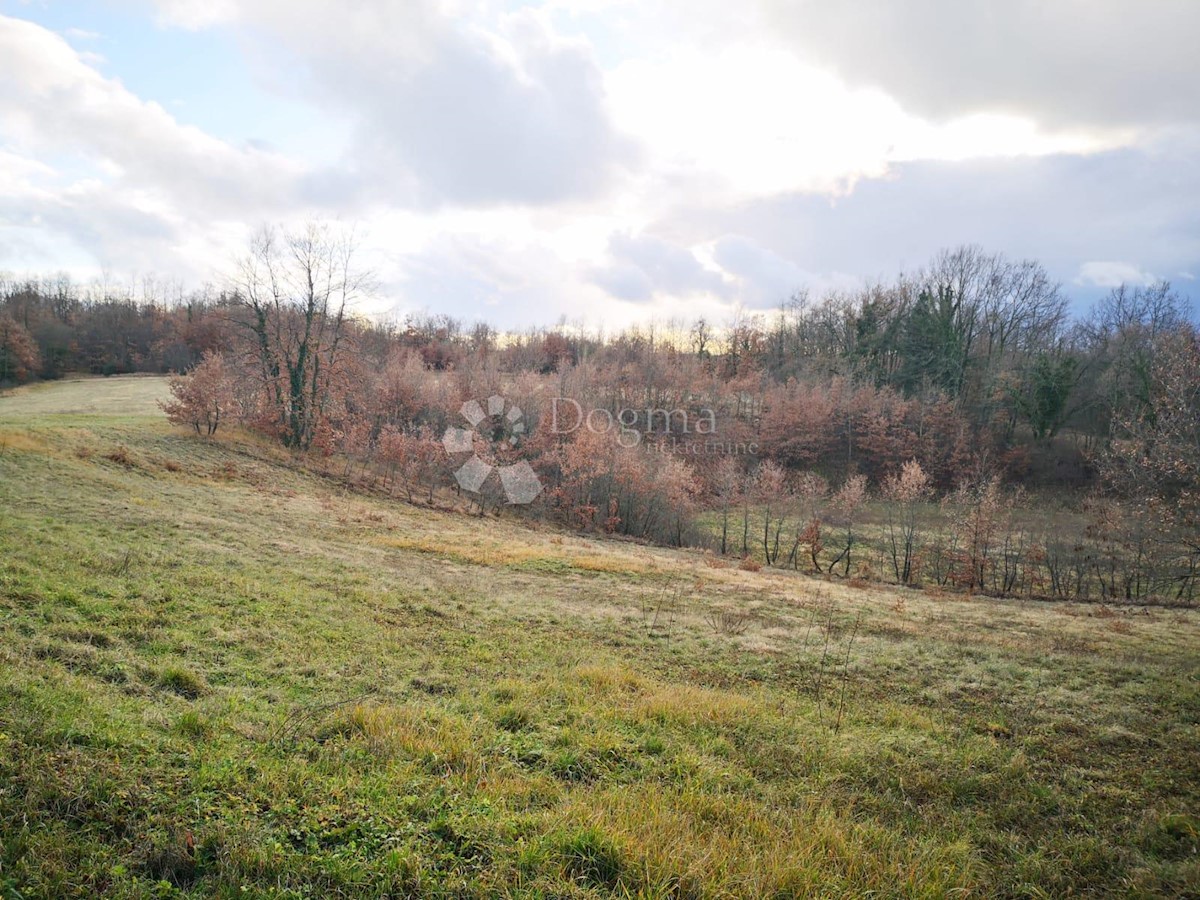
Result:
x=335 y=695
x=119 y=397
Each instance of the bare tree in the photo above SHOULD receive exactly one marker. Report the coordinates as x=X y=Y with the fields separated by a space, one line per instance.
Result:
x=296 y=288
x=702 y=336
x=906 y=490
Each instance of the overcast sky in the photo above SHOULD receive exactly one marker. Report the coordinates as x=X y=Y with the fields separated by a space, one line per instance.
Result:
x=605 y=160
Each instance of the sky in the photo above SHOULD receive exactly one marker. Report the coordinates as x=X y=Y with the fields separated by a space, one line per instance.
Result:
x=606 y=162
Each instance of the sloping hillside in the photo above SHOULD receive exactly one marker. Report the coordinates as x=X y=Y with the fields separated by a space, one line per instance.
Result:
x=221 y=674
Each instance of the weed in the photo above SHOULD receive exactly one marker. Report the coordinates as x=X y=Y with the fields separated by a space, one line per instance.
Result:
x=731 y=621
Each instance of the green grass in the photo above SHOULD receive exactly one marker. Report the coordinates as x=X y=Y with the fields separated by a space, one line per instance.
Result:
x=221 y=675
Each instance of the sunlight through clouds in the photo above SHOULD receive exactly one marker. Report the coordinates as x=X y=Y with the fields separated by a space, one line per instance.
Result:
x=618 y=151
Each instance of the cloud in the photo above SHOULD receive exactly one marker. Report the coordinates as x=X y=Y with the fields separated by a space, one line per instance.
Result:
x=443 y=108
x=1102 y=64
x=624 y=281
x=1132 y=204
x=504 y=280
x=196 y=14
x=751 y=119
x=52 y=103
x=110 y=172
x=663 y=161
x=1110 y=274
x=764 y=278
x=645 y=265
x=517 y=280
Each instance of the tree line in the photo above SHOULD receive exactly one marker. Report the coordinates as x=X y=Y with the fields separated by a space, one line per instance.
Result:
x=917 y=403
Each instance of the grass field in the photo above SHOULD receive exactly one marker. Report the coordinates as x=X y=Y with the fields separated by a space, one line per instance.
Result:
x=221 y=675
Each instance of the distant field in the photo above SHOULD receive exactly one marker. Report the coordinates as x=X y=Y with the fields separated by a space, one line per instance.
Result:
x=221 y=675
x=119 y=396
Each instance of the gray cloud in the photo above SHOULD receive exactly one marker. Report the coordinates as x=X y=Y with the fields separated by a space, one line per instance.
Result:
x=1099 y=63
x=644 y=264
x=764 y=278
x=625 y=281
x=1140 y=206
x=475 y=278
x=444 y=112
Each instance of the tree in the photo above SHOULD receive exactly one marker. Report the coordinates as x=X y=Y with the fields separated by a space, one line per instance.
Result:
x=978 y=513
x=809 y=489
x=18 y=352
x=770 y=491
x=728 y=483
x=204 y=398
x=936 y=342
x=846 y=503
x=907 y=490
x=1153 y=462
x=296 y=289
x=1043 y=395
x=1122 y=337
x=702 y=336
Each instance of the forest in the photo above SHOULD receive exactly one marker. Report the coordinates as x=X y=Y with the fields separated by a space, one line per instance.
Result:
x=959 y=427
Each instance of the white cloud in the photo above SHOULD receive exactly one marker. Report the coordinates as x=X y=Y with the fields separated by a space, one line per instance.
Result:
x=106 y=170
x=753 y=120
x=1111 y=273
x=53 y=103
x=631 y=160
x=196 y=14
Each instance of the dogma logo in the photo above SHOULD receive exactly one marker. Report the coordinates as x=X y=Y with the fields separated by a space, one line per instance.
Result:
x=493 y=440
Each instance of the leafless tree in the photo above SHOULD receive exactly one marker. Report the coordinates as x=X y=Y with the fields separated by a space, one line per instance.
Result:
x=296 y=289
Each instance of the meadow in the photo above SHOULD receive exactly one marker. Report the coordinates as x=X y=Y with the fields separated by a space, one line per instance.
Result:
x=223 y=673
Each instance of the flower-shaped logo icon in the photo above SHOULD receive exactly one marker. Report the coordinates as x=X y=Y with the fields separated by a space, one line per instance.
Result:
x=501 y=432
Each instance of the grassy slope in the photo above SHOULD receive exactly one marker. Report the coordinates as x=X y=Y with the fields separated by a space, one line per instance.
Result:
x=221 y=675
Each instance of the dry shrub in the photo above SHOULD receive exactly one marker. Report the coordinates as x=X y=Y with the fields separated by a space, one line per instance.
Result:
x=749 y=564
x=731 y=621
x=120 y=456
x=715 y=562
x=1068 y=643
